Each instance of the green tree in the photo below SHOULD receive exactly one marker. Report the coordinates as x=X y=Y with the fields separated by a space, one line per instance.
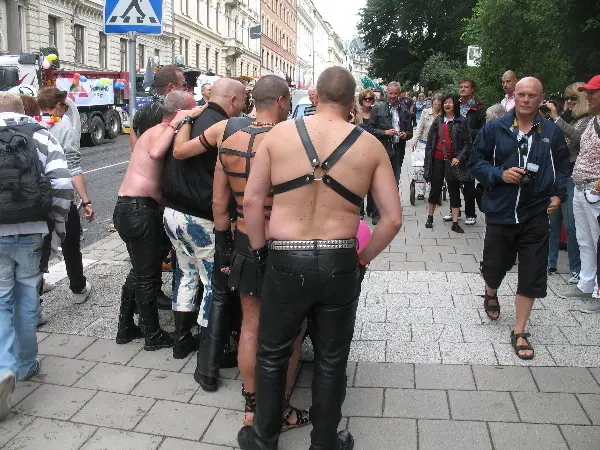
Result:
x=440 y=74
x=403 y=33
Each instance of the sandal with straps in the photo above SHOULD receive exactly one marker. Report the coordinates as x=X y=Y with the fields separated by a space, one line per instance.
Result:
x=491 y=308
x=249 y=407
x=302 y=416
x=514 y=338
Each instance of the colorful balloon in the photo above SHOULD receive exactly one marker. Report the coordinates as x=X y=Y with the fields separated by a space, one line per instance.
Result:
x=99 y=83
x=51 y=57
x=46 y=64
x=105 y=80
x=83 y=78
x=75 y=81
x=76 y=76
x=363 y=235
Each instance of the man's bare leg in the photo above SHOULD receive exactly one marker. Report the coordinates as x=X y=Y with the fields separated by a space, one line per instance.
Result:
x=523 y=305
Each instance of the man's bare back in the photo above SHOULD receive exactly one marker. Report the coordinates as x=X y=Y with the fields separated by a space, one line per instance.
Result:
x=143 y=176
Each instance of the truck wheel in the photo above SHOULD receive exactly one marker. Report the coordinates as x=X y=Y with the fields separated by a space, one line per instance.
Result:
x=97 y=131
x=113 y=125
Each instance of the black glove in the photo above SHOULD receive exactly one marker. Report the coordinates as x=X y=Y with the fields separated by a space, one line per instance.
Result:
x=260 y=260
x=224 y=247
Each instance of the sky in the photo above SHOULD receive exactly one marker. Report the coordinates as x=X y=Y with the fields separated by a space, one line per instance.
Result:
x=342 y=19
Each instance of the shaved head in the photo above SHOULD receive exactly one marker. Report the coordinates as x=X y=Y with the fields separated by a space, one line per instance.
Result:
x=177 y=100
x=509 y=81
x=229 y=94
x=529 y=94
x=530 y=83
x=509 y=74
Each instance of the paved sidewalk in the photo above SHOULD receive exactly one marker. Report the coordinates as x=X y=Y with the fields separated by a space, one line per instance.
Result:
x=428 y=370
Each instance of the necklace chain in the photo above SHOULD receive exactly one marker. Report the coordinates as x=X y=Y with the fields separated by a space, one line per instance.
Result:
x=262 y=124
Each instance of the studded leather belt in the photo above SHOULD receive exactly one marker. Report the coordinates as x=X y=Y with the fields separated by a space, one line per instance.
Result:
x=330 y=244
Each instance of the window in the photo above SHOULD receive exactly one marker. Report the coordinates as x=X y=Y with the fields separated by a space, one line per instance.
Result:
x=22 y=28
x=235 y=27
x=198 y=56
x=198 y=10
x=208 y=13
x=207 y=58
x=123 y=51
x=184 y=7
x=157 y=53
x=217 y=62
x=52 y=31
x=217 y=17
x=141 y=56
x=242 y=68
x=79 y=31
x=102 y=59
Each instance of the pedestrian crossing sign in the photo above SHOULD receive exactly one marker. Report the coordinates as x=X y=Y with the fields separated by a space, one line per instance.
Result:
x=141 y=16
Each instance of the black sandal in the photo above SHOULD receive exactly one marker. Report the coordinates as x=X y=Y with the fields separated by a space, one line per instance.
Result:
x=514 y=338
x=491 y=308
x=250 y=406
x=302 y=416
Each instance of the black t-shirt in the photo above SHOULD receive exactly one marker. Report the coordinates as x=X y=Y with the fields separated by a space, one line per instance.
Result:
x=148 y=116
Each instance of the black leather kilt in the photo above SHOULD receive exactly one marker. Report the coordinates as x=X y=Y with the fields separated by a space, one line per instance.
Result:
x=244 y=276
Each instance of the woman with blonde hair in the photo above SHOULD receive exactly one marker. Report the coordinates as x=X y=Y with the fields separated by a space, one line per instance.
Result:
x=366 y=100
x=576 y=118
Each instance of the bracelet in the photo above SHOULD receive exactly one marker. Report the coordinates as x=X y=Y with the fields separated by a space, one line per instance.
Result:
x=187 y=120
x=84 y=204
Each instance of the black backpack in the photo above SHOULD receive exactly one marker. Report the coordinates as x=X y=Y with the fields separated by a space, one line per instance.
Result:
x=25 y=192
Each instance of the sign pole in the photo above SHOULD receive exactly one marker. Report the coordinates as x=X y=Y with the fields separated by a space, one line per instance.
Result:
x=132 y=39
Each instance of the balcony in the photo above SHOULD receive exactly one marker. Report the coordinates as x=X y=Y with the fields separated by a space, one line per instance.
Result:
x=232 y=48
x=231 y=3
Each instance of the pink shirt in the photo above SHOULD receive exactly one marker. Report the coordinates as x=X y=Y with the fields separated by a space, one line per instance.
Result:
x=508 y=102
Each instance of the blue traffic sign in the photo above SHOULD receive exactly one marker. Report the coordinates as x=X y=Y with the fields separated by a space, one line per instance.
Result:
x=141 y=16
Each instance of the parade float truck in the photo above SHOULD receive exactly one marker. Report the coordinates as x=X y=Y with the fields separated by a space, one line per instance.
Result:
x=101 y=96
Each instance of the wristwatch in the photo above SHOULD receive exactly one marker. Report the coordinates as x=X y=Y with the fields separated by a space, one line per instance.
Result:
x=186 y=121
x=84 y=204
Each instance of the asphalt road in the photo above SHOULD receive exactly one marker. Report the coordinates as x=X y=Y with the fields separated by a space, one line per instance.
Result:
x=104 y=168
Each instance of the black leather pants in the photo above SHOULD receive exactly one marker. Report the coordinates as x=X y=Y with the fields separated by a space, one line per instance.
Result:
x=322 y=284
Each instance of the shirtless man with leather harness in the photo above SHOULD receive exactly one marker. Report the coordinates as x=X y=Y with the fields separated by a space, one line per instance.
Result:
x=319 y=168
x=236 y=152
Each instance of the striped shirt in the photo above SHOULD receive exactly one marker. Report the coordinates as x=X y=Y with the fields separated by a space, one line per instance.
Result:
x=53 y=161
x=64 y=132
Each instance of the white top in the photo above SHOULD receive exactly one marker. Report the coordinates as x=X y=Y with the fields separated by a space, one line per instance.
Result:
x=425 y=122
x=508 y=102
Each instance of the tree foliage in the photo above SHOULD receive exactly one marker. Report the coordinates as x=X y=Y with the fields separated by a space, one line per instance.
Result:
x=403 y=33
x=440 y=73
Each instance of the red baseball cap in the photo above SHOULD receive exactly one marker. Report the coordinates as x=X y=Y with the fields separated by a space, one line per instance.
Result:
x=592 y=85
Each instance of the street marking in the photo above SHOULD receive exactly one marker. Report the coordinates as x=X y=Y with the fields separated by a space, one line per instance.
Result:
x=106 y=167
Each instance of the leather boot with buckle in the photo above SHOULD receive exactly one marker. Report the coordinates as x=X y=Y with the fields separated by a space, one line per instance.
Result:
x=185 y=343
x=127 y=329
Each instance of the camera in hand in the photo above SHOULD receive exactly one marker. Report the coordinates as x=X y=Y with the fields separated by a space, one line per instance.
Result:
x=531 y=171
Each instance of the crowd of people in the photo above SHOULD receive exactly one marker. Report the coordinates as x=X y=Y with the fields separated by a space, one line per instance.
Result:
x=261 y=215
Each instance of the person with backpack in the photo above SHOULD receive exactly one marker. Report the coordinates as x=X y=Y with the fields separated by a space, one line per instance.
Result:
x=53 y=103
x=35 y=186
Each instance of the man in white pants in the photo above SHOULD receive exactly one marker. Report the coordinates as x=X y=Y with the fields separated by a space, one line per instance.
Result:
x=586 y=201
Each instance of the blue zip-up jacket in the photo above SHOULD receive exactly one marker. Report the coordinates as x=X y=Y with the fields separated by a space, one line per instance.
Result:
x=504 y=203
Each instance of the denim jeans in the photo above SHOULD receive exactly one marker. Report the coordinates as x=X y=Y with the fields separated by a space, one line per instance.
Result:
x=20 y=278
x=565 y=213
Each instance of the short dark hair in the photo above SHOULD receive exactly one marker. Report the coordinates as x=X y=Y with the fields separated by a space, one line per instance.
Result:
x=50 y=96
x=470 y=81
x=336 y=85
x=268 y=89
x=455 y=99
x=166 y=75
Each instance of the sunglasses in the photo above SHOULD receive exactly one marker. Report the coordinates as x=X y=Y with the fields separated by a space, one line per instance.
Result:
x=572 y=98
x=369 y=99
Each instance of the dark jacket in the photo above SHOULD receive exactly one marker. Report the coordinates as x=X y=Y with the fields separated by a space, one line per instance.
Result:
x=187 y=185
x=381 y=115
x=461 y=146
x=476 y=117
x=507 y=204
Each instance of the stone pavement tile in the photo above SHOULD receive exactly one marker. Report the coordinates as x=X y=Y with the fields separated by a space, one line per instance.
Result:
x=298 y=439
x=408 y=352
x=106 y=438
x=565 y=379
x=428 y=277
x=160 y=360
x=439 y=288
x=112 y=378
x=595 y=371
x=410 y=315
x=482 y=405
x=376 y=331
x=443 y=266
x=389 y=300
x=510 y=436
x=486 y=333
x=552 y=317
x=408 y=286
x=181 y=444
x=112 y=410
x=573 y=355
x=65 y=345
x=431 y=301
x=423 y=257
x=547 y=335
x=385 y=375
x=108 y=351
x=458 y=258
x=552 y=302
x=456 y=316
x=23 y=389
x=459 y=353
x=422 y=241
x=581 y=437
x=40 y=335
x=224 y=428
x=581 y=335
x=306 y=373
x=380 y=264
x=549 y=408
x=437 y=376
x=585 y=320
x=385 y=433
x=403 y=248
x=436 y=333
x=451 y=434
x=373 y=351
x=13 y=425
x=177 y=420
x=372 y=313
x=453 y=242
x=51 y=435
x=439 y=249
x=228 y=396
x=54 y=402
x=64 y=371
x=364 y=402
x=471 y=267
x=591 y=404
x=416 y=403
x=179 y=387
x=301 y=398
x=190 y=368
x=507 y=357
x=503 y=378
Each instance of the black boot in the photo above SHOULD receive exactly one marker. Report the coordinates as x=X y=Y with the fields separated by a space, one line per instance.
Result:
x=156 y=337
x=128 y=330
x=345 y=442
x=163 y=301
x=184 y=340
x=246 y=439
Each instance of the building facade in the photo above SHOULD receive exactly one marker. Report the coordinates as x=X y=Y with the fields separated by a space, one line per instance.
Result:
x=335 y=48
x=305 y=29
x=211 y=35
x=358 y=60
x=278 y=40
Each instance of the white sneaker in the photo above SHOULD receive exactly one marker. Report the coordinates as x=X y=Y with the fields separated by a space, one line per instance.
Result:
x=42 y=320
x=575 y=278
x=83 y=296
x=592 y=307
x=7 y=386
x=448 y=218
x=470 y=220
x=576 y=294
